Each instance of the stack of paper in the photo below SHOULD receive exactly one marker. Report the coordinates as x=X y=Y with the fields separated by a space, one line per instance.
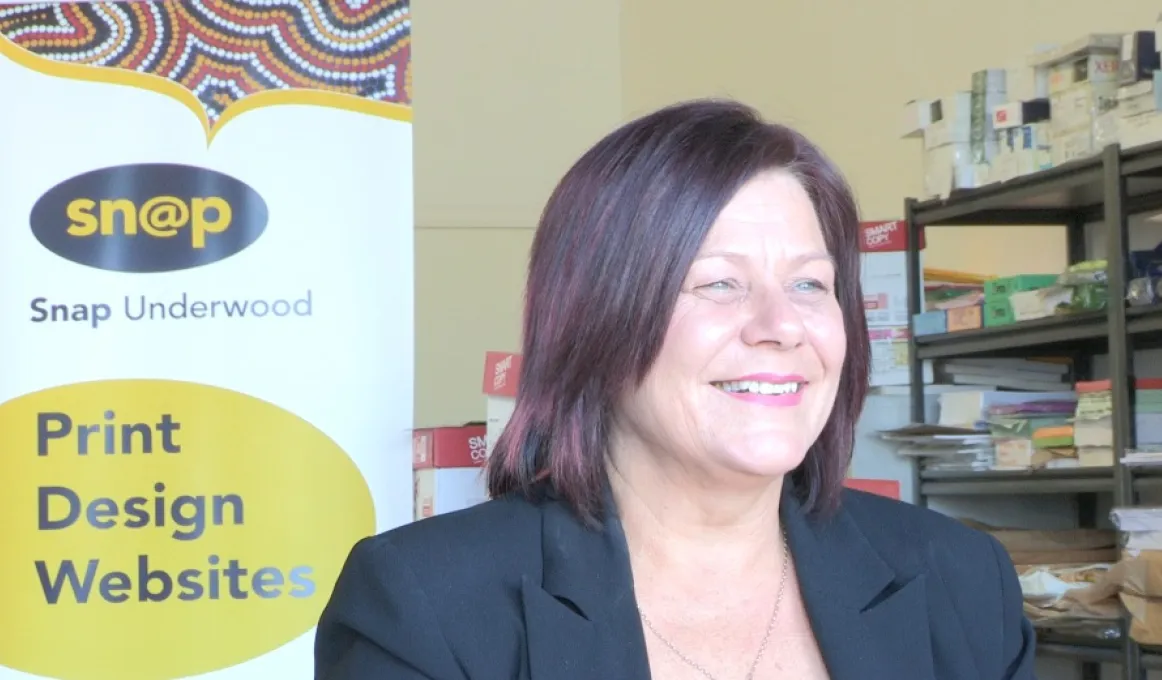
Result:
x=1148 y=412
x=971 y=409
x=1011 y=374
x=1142 y=526
x=1093 y=423
x=1033 y=434
x=943 y=448
x=1148 y=456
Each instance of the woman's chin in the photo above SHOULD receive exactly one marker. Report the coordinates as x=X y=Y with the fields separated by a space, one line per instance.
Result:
x=764 y=461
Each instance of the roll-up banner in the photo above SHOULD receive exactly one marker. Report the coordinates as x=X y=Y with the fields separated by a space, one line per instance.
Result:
x=206 y=327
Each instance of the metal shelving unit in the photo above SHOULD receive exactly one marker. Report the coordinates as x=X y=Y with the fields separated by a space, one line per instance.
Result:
x=1108 y=187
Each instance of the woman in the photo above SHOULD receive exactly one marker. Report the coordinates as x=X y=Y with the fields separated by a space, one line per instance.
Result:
x=668 y=497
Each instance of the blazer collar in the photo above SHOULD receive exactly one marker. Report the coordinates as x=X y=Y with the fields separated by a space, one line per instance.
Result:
x=582 y=620
x=869 y=618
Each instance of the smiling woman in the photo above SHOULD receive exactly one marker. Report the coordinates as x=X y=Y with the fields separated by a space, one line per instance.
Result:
x=695 y=361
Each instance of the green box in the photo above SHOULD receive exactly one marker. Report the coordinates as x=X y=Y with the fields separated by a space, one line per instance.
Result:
x=998 y=313
x=1005 y=286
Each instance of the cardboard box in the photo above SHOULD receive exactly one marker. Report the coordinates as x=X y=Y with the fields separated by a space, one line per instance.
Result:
x=988 y=92
x=932 y=322
x=883 y=256
x=1137 y=99
x=442 y=490
x=1017 y=113
x=1138 y=130
x=449 y=447
x=950 y=167
x=1078 y=106
x=1024 y=82
x=917 y=116
x=889 y=358
x=1139 y=58
x=501 y=380
x=964 y=318
x=889 y=488
x=446 y=464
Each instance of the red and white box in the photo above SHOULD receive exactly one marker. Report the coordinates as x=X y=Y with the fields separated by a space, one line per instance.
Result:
x=889 y=488
x=883 y=267
x=883 y=247
x=447 y=466
x=501 y=379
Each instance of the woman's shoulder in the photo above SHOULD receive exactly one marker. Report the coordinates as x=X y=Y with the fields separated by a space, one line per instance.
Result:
x=973 y=588
x=480 y=539
x=915 y=539
x=407 y=596
x=898 y=522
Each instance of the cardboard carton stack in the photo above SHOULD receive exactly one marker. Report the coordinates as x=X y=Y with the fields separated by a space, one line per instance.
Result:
x=1137 y=118
x=1083 y=84
x=447 y=467
x=1061 y=547
x=883 y=266
x=1021 y=124
x=1062 y=103
x=501 y=379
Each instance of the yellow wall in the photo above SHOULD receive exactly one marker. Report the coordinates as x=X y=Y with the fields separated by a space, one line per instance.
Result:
x=509 y=92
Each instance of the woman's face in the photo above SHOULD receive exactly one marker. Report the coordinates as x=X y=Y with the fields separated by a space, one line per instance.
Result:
x=750 y=366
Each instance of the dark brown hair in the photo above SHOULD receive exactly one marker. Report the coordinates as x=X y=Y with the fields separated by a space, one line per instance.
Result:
x=612 y=248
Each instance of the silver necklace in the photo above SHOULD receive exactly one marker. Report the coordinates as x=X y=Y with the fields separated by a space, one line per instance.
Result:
x=762 y=645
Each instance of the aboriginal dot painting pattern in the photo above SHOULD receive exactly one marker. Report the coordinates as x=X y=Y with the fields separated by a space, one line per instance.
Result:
x=223 y=50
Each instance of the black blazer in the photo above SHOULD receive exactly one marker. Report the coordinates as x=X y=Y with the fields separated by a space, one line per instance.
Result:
x=512 y=590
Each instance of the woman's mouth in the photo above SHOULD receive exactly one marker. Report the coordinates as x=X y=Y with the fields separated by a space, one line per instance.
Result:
x=760 y=387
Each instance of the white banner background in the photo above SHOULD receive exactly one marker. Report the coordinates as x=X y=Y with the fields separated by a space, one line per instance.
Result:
x=338 y=187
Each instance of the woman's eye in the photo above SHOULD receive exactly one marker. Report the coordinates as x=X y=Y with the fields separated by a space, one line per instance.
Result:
x=811 y=286
x=723 y=286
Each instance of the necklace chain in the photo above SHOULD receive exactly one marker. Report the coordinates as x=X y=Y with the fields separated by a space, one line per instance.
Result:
x=762 y=645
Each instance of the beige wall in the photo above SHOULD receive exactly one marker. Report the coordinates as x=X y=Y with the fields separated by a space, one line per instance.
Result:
x=509 y=92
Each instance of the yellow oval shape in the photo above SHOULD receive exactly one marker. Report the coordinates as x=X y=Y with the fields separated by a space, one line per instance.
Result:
x=156 y=529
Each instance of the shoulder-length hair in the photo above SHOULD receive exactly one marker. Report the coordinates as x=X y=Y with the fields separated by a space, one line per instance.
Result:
x=610 y=254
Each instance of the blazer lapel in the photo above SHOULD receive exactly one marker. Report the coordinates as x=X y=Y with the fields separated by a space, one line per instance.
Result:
x=581 y=619
x=870 y=621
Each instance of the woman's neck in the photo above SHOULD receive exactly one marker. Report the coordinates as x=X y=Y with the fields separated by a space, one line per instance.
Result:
x=672 y=520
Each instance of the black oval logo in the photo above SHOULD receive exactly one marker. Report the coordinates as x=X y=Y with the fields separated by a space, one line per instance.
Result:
x=153 y=217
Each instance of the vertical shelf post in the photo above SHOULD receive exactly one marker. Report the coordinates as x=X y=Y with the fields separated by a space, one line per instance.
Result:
x=915 y=278
x=1121 y=363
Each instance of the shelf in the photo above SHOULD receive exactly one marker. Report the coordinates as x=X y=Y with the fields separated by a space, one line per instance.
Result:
x=1003 y=482
x=1091 y=650
x=1142 y=160
x=1143 y=320
x=1078 y=648
x=1151 y=658
x=1146 y=478
x=1088 y=330
x=1055 y=196
x=1111 y=187
x=1046 y=197
x=1061 y=333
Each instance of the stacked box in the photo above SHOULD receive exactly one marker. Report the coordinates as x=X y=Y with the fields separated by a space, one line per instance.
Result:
x=446 y=464
x=1083 y=84
x=948 y=158
x=988 y=92
x=998 y=308
x=1021 y=129
x=1139 y=112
